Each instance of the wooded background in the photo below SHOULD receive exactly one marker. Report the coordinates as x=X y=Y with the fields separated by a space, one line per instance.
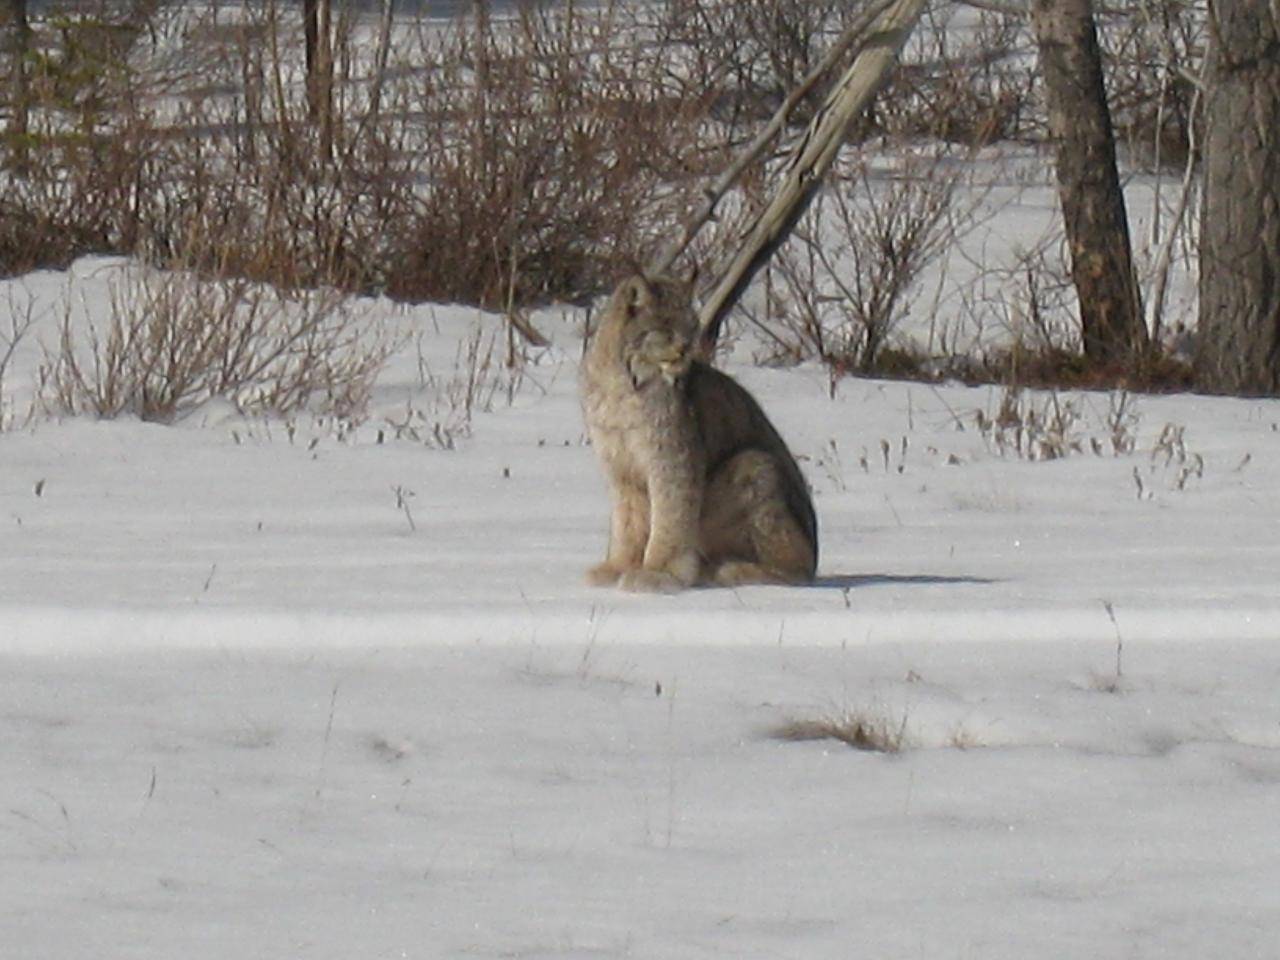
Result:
x=509 y=161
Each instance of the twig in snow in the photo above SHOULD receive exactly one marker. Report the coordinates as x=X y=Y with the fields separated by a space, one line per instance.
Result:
x=328 y=734
x=402 y=504
x=1111 y=615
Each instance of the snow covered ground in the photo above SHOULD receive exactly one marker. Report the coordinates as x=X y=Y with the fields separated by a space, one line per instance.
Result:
x=296 y=690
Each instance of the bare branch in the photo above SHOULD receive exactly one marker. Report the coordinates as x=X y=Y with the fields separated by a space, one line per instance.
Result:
x=851 y=39
x=811 y=157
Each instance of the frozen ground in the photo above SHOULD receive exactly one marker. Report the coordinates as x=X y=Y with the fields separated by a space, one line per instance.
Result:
x=249 y=709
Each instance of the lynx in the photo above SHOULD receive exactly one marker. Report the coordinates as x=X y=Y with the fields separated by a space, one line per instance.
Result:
x=703 y=488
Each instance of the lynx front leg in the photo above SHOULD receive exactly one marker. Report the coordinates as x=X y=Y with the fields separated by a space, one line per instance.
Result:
x=628 y=534
x=671 y=558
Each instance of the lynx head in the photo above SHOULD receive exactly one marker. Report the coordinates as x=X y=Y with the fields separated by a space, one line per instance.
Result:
x=659 y=329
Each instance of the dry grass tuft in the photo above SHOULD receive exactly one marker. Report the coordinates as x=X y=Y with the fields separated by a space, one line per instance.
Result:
x=859 y=730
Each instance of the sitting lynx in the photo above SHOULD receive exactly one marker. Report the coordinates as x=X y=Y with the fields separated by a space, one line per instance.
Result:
x=703 y=488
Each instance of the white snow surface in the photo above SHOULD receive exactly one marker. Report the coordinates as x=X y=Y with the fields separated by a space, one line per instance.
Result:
x=249 y=710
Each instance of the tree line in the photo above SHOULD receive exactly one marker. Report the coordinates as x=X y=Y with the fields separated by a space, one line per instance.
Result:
x=1236 y=156
x=1237 y=341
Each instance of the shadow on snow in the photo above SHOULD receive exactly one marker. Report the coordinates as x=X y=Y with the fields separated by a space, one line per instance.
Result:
x=854 y=581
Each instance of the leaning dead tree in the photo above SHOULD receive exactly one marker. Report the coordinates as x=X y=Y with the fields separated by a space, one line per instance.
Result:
x=878 y=35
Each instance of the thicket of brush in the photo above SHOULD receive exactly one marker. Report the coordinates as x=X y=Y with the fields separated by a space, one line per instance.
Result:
x=509 y=161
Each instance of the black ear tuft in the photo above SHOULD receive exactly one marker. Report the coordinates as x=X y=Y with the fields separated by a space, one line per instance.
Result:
x=635 y=294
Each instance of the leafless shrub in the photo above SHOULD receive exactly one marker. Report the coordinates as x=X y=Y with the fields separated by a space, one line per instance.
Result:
x=509 y=161
x=21 y=321
x=968 y=79
x=464 y=162
x=1019 y=316
x=174 y=339
x=971 y=77
x=752 y=53
x=846 y=278
x=1152 y=55
x=471 y=387
x=1017 y=324
x=480 y=376
x=544 y=175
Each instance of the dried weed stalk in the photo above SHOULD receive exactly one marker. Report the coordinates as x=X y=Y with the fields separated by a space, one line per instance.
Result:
x=21 y=321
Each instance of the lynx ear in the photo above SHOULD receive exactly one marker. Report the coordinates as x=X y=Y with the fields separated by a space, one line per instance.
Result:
x=634 y=295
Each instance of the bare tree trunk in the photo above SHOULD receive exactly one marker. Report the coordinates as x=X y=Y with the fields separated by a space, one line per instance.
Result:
x=318 y=49
x=1093 y=211
x=311 y=45
x=810 y=159
x=19 y=90
x=380 y=61
x=1238 y=344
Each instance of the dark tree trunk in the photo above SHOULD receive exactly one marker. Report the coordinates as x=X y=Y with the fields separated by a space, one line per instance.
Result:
x=318 y=50
x=1093 y=211
x=311 y=41
x=1238 y=344
x=19 y=30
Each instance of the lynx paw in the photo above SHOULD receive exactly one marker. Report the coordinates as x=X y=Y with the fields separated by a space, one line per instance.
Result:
x=651 y=581
x=603 y=575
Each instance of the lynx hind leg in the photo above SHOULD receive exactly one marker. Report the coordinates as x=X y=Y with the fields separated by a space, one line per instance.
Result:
x=749 y=533
x=628 y=534
x=741 y=573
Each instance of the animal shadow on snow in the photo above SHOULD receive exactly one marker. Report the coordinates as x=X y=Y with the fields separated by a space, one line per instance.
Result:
x=853 y=581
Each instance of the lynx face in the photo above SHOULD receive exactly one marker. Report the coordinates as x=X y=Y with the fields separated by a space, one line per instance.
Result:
x=658 y=353
x=660 y=332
